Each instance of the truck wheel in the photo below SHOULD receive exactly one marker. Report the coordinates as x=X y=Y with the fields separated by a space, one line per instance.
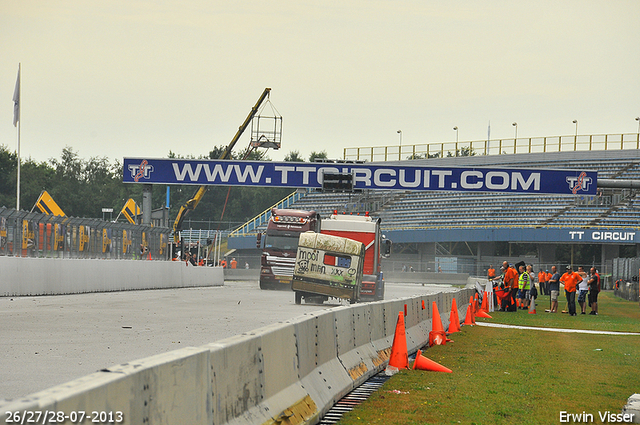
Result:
x=298 y=297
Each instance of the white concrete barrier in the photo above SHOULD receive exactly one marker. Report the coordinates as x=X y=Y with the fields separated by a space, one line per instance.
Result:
x=49 y=276
x=163 y=389
x=290 y=372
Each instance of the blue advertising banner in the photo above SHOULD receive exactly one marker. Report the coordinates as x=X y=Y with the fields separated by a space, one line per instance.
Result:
x=365 y=176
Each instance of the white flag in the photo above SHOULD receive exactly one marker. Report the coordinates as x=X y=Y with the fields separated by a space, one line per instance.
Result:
x=16 y=102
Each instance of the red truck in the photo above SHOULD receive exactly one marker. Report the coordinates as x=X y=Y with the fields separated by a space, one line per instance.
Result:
x=365 y=229
x=281 y=245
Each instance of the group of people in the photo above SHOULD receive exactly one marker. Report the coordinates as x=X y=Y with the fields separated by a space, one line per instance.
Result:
x=517 y=287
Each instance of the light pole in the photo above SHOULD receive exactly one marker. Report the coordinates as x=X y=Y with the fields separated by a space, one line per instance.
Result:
x=400 y=133
x=515 y=124
x=638 y=119
x=576 y=123
x=575 y=139
x=456 y=130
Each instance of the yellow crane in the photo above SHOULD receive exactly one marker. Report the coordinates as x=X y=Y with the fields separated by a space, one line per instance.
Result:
x=192 y=203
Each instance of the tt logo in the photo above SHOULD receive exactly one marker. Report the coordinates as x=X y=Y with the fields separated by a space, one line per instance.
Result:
x=143 y=170
x=582 y=182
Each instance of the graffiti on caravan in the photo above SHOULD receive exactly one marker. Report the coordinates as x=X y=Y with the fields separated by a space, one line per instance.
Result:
x=365 y=176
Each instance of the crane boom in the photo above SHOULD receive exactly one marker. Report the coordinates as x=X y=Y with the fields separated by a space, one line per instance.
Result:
x=192 y=203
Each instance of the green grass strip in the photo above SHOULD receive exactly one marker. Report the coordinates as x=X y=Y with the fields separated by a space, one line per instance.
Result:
x=509 y=376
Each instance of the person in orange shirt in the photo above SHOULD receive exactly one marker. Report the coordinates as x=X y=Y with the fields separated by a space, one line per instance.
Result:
x=542 y=281
x=510 y=281
x=571 y=280
x=234 y=263
x=491 y=273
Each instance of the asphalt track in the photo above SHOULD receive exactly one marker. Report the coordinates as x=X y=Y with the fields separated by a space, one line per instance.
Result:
x=49 y=340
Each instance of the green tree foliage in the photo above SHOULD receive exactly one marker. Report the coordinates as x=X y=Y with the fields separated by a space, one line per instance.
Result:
x=318 y=155
x=424 y=156
x=294 y=156
x=464 y=151
x=8 y=166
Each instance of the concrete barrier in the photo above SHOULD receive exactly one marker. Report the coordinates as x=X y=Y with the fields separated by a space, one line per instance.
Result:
x=291 y=372
x=241 y=274
x=48 y=276
x=430 y=278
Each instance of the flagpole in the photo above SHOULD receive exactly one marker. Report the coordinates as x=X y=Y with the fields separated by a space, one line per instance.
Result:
x=19 y=124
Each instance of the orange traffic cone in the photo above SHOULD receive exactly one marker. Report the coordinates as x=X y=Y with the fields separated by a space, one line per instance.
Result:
x=423 y=363
x=399 y=357
x=532 y=306
x=454 y=320
x=437 y=336
x=485 y=302
x=468 y=320
x=472 y=310
x=482 y=313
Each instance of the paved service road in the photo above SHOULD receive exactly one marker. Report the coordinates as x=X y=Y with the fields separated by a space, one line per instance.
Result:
x=49 y=340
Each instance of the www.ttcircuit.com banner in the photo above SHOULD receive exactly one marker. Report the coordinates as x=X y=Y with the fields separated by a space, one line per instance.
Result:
x=365 y=176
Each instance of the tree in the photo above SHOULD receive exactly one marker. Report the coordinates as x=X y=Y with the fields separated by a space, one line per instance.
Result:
x=8 y=175
x=317 y=155
x=464 y=151
x=424 y=156
x=294 y=156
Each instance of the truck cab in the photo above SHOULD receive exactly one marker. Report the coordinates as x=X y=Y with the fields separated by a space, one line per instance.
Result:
x=280 y=244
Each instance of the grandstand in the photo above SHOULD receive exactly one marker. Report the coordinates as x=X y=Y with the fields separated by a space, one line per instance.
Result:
x=427 y=218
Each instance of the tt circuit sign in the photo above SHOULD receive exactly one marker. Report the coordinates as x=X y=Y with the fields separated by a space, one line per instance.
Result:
x=603 y=236
x=364 y=176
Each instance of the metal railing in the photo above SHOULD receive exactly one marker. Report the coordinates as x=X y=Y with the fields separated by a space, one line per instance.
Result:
x=251 y=225
x=495 y=147
x=28 y=234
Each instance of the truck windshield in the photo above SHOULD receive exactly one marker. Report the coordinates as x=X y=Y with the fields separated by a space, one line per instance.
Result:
x=285 y=243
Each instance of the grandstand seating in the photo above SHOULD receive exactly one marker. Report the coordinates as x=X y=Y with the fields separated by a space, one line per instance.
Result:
x=411 y=210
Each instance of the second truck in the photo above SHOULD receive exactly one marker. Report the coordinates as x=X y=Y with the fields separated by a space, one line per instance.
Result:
x=281 y=244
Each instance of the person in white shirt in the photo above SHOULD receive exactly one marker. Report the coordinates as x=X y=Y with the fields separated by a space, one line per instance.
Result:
x=583 y=289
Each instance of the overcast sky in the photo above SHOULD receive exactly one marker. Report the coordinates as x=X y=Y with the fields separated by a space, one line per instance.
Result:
x=131 y=78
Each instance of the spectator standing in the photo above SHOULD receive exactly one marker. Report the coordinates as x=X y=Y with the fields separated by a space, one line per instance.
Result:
x=533 y=292
x=491 y=273
x=583 y=289
x=234 y=263
x=542 y=282
x=510 y=281
x=594 y=290
x=524 y=284
x=570 y=280
x=554 y=289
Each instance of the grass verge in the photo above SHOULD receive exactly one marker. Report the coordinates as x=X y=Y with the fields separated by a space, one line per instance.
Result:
x=507 y=376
